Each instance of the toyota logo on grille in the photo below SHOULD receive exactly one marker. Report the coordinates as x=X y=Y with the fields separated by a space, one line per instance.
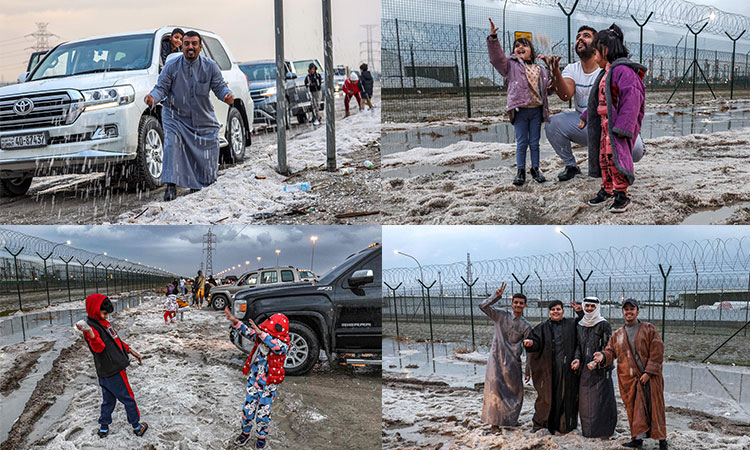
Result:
x=23 y=106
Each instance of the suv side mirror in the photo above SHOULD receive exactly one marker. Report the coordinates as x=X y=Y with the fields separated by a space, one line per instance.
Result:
x=22 y=78
x=291 y=75
x=361 y=277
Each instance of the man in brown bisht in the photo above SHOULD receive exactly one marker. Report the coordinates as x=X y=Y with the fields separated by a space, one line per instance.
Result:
x=639 y=351
x=503 y=384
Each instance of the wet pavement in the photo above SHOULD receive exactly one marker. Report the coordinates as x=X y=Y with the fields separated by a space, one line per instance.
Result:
x=717 y=390
x=676 y=121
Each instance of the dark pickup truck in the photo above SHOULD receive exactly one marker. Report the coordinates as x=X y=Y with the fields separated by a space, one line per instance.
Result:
x=340 y=313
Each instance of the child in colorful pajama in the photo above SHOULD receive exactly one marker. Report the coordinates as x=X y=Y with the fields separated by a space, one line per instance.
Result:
x=265 y=370
x=171 y=307
x=614 y=115
x=110 y=360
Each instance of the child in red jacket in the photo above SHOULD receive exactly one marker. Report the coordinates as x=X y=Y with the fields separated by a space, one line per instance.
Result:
x=351 y=89
x=110 y=360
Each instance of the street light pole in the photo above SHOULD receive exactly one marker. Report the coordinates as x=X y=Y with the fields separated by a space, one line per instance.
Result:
x=312 y=258
x=277 y=257
x=559 y=230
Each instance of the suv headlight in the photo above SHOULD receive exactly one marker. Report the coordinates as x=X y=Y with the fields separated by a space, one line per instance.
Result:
x=95 y=99
x=270 y=92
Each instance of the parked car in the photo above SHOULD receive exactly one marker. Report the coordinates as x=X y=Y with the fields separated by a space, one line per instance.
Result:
x=34 y=58
x=307 y=275
x=80 y=109
x=221 y=296
x=340 y=313
x=261 y=78
x=339 y=76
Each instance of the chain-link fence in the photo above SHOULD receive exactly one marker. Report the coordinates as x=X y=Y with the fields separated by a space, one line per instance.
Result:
x=35 y=272
x=426 y=64
x=694 y=287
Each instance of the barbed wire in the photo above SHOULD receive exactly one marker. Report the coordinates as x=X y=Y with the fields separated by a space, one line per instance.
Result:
x=33 y=246
x=724 y=259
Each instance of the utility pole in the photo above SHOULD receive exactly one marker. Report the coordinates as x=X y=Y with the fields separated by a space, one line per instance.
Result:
x=209 y=245
x=42 y=37
x=371 y=46
x=469 y=275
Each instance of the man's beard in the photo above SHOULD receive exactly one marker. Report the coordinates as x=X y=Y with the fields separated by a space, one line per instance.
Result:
x=586 y=52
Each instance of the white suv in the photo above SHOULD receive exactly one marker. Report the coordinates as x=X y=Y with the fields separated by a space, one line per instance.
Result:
x=81 y=109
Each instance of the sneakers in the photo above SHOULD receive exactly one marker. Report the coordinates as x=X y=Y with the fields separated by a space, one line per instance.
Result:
x=569 y=173
x=260 y=443
x=520 y=178
x=316 y=123
x=601 y=197
x=663 y=444
x=141 y=429
x=103 y=432
x=536 y=174
x=635 y=443
x=621 y=202
x=242 y=439
x=171 y=193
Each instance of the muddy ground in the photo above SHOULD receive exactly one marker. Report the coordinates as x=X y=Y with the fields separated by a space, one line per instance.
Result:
x=424 y=416
x=190 y=391
x=682 y=346
x=678 y=178
x=247 y=192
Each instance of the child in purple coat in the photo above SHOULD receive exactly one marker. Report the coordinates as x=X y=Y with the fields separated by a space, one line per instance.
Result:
x=528 y=86
x=615 y=112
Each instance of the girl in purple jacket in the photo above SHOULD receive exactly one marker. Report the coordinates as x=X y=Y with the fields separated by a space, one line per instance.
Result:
x=528 y=86
x=615 y=112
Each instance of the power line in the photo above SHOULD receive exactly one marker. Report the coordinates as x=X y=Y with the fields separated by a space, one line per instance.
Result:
x=370 y=42
x=42 y=37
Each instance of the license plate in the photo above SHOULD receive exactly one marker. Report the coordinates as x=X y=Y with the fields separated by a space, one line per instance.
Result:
x=30 y=140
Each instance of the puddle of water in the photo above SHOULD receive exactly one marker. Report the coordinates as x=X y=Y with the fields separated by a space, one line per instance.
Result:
x=678 y=122
x=712 y=389
x=713 y=215
x=17 y=329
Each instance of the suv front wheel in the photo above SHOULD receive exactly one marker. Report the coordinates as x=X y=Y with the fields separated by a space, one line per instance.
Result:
x=234 y=152
x=219 y=302
x=149 y=159
x=14 y=187
x=304 y=349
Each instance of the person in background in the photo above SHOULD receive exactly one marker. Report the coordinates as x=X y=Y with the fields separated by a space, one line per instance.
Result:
x=351 y=89
x=172 y=45
x=199 y=286
x=366 y=81
x=314 y=83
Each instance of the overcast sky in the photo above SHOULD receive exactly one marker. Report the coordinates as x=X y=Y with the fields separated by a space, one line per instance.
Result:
x=449 y=244
x=247 y=26
x=179 y=248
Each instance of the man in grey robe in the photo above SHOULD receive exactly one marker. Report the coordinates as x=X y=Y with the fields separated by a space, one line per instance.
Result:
x=191 y=130
x=503 y=384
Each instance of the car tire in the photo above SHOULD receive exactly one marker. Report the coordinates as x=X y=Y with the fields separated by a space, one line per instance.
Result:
x=148 y=165
x=14 y=187
x=304 y=349
x=219 y=302
x=234 y=152
x=301 y=118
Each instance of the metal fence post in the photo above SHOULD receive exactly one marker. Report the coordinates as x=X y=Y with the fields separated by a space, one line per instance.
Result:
x=18 y=280
x=67 y=274
x=83 y=271
x=395 y=306
x=471 y=308
x=664 y=299
x=466 y=59
x=521 y=283
x=640 y=25
x=584 y=280
x=46 y=279
x=413 y=67
x=400 y=62
x=570 y=56
x=429 y=305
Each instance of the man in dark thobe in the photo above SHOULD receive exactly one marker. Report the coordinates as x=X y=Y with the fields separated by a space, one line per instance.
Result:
x=191 y=130
x=503 y=384
x=551 y=348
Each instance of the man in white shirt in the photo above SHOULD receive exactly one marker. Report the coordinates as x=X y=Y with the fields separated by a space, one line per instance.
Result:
x=575 y=81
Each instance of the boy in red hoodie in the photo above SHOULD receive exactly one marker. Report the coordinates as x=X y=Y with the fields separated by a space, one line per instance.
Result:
x=110 y=359
x=351 y=89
